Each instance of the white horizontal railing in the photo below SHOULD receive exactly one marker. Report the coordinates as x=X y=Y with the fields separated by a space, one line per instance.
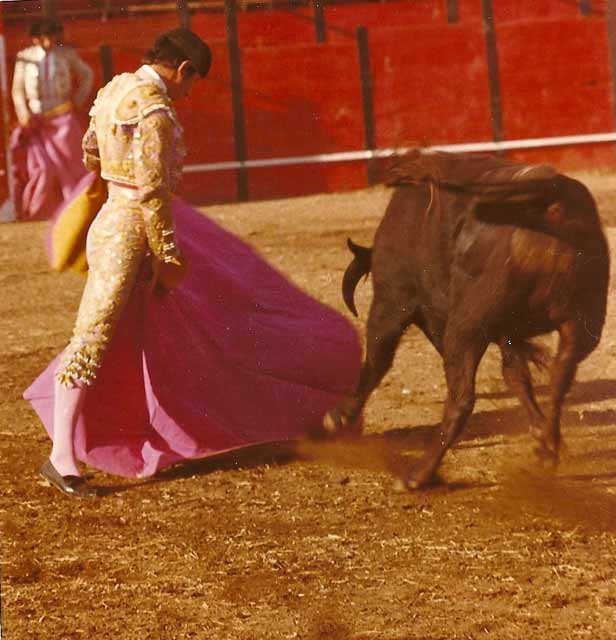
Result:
x=352 y=156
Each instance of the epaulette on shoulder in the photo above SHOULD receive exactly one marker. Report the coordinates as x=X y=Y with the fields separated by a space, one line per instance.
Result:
x=28 y=55
x=139 y=101
x=108 y=89
x=95 y=104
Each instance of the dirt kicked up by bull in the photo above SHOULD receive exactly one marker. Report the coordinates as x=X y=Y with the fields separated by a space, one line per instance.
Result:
x=476 y=250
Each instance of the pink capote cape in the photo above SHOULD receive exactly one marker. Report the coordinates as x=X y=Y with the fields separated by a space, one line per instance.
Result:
x=47 y=165
x=235 y=356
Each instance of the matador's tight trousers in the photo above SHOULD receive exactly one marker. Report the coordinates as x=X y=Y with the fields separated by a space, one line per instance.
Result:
x=116 y=248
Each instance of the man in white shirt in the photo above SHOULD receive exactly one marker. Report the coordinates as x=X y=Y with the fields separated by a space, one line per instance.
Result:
x=49 y=82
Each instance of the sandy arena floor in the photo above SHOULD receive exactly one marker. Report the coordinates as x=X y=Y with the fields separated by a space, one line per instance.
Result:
x=269 y=545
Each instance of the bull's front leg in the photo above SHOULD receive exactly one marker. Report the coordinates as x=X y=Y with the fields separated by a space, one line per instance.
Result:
x=387 y=321
x=461 y=359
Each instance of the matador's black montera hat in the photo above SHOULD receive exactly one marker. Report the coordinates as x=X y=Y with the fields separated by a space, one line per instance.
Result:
x=190 y=44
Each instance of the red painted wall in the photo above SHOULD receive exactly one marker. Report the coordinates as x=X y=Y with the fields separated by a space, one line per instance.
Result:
x=430 y=84
x=555 y=80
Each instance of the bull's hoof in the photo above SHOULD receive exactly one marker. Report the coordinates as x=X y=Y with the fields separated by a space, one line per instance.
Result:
x=417 y=482
x=547 y=449
x=334 y=422
x=547 y=455
x=400 y=486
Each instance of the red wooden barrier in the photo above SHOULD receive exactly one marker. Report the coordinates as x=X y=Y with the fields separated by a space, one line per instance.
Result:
x=469 y=11
x=430 y=84
x=530 y=10
x=302 y=100
x=555 y=80
x=342 y=20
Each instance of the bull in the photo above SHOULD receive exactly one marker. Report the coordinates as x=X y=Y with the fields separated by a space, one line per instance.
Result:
x=476 y=250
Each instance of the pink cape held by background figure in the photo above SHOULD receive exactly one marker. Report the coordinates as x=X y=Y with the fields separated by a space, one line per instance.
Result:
x=236 y=355
x=49 y=81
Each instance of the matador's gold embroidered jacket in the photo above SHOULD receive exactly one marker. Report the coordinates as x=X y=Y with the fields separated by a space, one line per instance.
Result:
x=135 y=139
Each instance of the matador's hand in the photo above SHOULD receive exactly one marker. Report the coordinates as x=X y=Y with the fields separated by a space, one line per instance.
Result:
x=166 y=275
x=32 y=120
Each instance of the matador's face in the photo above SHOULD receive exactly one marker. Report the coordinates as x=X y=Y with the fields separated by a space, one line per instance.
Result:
x=47 y=41
x=183 y=81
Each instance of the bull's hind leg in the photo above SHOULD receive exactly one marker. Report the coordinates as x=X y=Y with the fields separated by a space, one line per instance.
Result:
x=462 y=354
x=575 y=343
x=387 y=321
x=519 y=380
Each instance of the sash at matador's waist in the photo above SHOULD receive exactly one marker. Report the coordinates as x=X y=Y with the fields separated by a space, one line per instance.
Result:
x=59 y=110
x=121 y=172
x=123 y=190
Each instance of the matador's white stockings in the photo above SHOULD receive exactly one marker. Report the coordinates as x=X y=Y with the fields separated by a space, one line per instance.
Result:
x=67 y=405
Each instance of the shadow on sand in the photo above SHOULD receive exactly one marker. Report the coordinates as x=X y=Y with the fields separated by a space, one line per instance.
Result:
x=276 y=453
x=392 y=451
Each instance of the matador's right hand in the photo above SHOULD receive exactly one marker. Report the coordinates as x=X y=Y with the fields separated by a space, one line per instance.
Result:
x=32 y=121
x=166 y=275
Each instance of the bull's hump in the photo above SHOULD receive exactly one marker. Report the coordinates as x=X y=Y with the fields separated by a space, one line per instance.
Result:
x=463 y=170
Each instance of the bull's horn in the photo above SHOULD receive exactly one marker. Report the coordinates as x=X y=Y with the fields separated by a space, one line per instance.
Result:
x=359 y=266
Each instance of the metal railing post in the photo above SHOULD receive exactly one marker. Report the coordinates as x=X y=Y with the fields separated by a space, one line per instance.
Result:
x=493 y=70
x=237 y=97
x=319 y=21
x=106 y=57
x=184 y=13
x=367 y=99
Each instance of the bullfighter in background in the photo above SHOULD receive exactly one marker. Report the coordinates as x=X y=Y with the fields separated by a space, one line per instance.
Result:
x=50 y=82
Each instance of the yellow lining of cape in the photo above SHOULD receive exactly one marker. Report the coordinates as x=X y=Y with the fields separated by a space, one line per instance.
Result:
x=69 y=233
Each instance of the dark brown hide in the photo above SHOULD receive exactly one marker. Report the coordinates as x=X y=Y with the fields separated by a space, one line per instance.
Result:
x=475 y=250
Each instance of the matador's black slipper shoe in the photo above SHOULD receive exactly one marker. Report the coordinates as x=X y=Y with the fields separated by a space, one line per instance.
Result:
x=74 y=486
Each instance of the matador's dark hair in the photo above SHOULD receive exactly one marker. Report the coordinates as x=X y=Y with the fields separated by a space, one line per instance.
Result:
x=175 y=46
x=46 y=27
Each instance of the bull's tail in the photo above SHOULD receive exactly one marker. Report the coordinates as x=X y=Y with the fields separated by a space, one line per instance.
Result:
x=534 y=353
x=360 y=266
